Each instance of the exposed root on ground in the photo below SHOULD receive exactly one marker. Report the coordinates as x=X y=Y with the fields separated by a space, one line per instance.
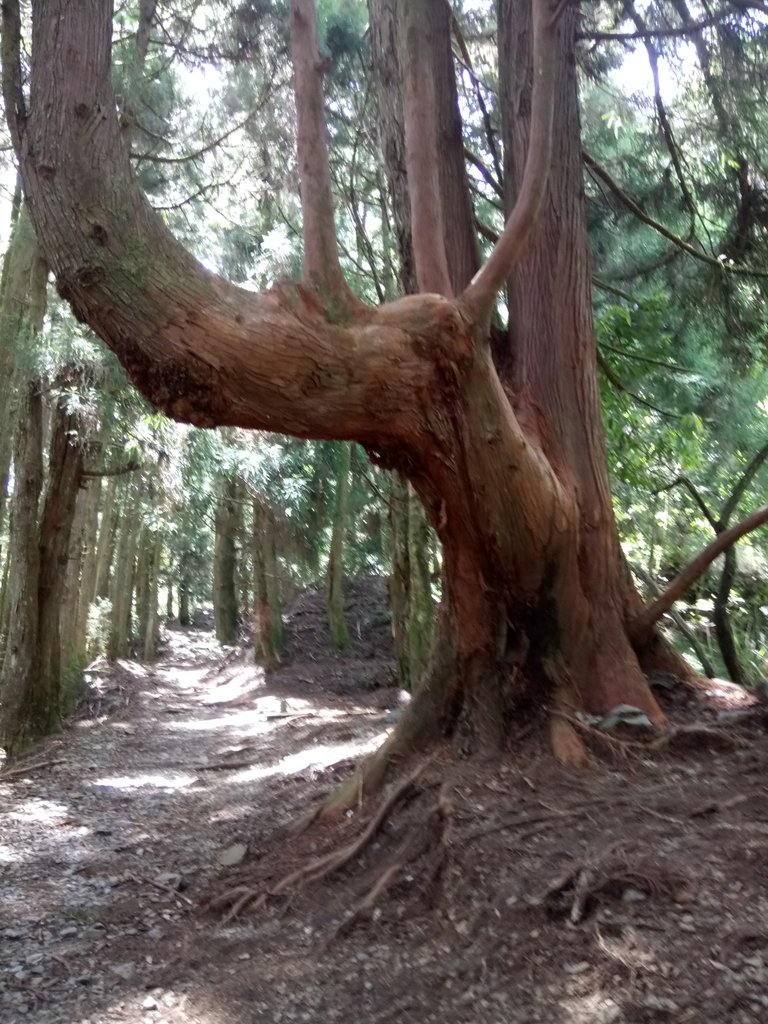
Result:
x=576 y=893
x=697 y=735
x=415 y=845
x=243 y=896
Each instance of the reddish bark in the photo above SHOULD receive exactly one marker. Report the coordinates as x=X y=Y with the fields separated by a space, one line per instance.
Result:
x=513 y=475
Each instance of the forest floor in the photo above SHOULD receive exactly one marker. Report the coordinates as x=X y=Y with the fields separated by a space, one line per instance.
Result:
x=637 y=892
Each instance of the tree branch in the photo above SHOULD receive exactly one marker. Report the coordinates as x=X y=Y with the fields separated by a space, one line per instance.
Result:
x=742 y=484
x=480 y=296
x=631 y=205
x=97 y=473
x=661 y=112
x=678 y=620
x=648 y=360
x=322 y=268
x=641 y=627
x=621 y=386
x=661 y=33
x=466 y=60
x=198 y=347
x=683 y=481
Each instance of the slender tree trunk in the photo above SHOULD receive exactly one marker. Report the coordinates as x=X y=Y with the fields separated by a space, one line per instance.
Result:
x=337 y=622
x=226 y=611
x=413 y=612
x=107 y=534
x=267 y=609
x=88 y=574
x=185 y=618
x=400 y=578
x=142 y=583
x=78 y=587
x=121 y=585
x=151 y=635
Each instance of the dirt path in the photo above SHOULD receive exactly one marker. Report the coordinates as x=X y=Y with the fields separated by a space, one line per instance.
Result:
x=110 y=832
x=635 y=894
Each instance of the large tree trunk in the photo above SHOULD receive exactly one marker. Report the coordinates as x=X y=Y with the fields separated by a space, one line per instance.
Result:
x=510 y=465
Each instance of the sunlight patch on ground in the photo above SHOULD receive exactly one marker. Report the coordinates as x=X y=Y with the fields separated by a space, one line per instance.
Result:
x=243 y=682
x=39 y=811
x=319 y=757
x=248 y=722
x=261 y=715
x=184 y=678
x=595 y=1008
x=170 y=782
x=9 y=855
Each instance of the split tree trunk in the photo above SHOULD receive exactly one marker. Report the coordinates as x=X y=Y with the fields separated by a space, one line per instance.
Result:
x=509 y=463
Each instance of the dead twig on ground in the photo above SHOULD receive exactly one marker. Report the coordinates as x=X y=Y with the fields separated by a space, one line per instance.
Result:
x=22 y=769
x=162 y=886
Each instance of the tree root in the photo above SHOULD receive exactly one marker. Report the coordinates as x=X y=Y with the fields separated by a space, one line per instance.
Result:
x=567 y=745
x=695 y=736
x=243 y=896
x=575 y=893
x=411 y=849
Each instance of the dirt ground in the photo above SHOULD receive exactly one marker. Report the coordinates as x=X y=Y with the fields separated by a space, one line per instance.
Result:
x=637 y=892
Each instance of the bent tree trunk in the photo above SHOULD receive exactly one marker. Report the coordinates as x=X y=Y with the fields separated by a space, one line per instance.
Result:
x=509 y=462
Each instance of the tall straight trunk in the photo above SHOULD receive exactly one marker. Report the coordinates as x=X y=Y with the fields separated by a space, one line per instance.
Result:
x=413 y=612
x=32 y=672
x=65 y=467
x=151 y=635
x=4 y=605
x=121 y=586
x=27 y=711
x=142 y=582
x=389 y=57
x=421 y=609
x=225 y=607
x=267 y=608
x=94 y=493
x=337 y=622
x=107 y=532
x=185 y=616
x=400 y=577
x=79 y=581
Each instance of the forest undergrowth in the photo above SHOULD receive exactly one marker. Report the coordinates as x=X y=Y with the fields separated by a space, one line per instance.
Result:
x=150 y=871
